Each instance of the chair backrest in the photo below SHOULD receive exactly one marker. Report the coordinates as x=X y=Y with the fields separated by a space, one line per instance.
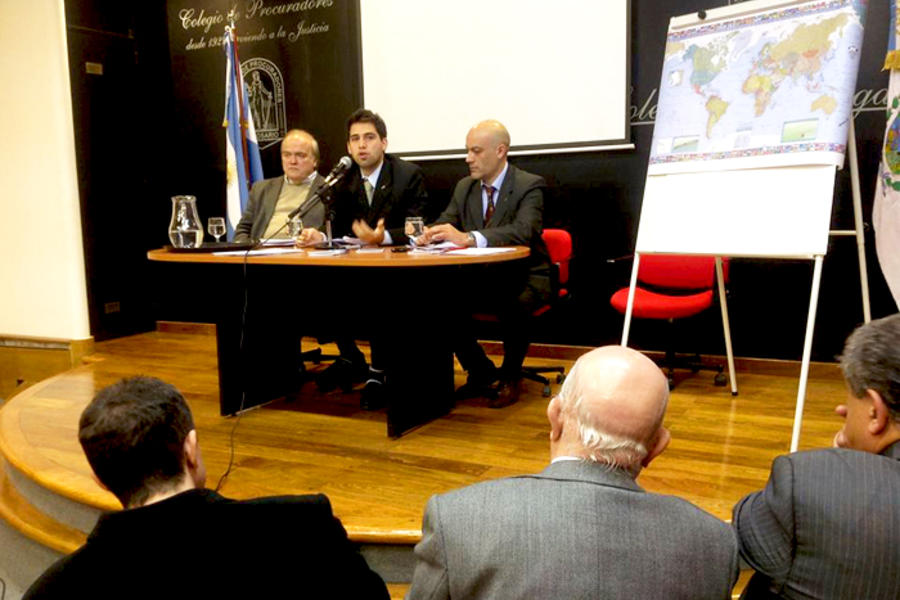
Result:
x=680 y=271
x=559 y=246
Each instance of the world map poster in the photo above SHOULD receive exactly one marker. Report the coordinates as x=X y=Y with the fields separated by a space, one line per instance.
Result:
x=774 y=88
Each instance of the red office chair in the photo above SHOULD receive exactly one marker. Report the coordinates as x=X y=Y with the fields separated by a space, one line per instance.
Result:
x=674 y=287
x=559 y=246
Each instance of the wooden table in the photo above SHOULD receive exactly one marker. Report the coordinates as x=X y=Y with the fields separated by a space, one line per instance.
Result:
x=263 y=304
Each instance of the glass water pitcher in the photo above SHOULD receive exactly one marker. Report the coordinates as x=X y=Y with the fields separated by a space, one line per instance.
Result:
x=185 y=229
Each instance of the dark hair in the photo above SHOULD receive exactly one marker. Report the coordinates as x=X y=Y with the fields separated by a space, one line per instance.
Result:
x=871 y=360
x=133 y=435
x=364 y=115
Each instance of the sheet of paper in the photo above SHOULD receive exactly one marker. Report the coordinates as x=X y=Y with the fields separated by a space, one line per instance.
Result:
x=260 y=252
x=481 y=251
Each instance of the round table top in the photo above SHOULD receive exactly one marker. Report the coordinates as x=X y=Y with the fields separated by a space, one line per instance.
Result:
x=365 y=257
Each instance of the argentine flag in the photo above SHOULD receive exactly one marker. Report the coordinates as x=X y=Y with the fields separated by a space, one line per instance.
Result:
x=238 y=164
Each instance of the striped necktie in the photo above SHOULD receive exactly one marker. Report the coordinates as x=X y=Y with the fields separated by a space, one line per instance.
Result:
x=489 y=211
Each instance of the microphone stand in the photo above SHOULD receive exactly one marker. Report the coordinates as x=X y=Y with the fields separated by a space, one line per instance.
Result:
x=327 y=201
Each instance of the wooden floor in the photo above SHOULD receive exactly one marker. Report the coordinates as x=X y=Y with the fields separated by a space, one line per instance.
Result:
x=721 y=447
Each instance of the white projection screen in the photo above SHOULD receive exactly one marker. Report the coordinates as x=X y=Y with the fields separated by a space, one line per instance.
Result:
x=555 y=73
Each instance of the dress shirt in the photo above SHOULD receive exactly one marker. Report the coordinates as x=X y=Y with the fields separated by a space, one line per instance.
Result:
x=480 y=240
x=373 y=179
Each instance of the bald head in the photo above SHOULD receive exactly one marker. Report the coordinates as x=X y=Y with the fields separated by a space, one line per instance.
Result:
x=487 y=144
x=493 y=130
x=611 y=408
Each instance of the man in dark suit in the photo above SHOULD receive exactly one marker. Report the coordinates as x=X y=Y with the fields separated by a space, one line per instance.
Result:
x=497 y=205
x=177 y=539
x=583 y=527
x=828 y=521
x=372 y=203
x=271 y=200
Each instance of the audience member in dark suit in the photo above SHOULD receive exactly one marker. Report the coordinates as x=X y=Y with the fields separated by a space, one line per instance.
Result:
x=497 y=205
x=827 y=523
x=371 y=203
x=583 y=527
x=177 y=539
x=272 y=199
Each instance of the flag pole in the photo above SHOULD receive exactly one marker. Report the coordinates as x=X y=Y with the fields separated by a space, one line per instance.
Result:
x=239 y=84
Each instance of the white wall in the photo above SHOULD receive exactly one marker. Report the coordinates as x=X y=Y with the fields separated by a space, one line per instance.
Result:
x=555 y=73
x=41 y=256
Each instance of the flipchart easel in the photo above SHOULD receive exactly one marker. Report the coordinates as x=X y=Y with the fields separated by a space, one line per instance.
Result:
x=772 y=212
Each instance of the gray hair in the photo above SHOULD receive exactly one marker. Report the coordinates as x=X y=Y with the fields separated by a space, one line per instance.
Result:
x=313 y=143
x=871 y=360
x=612 y=450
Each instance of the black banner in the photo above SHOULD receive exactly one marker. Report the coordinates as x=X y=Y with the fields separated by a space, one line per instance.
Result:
x=301 y=64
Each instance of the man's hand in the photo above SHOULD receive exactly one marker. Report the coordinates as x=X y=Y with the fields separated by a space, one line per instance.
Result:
x=368 y=235
x=840 y=438
x=309 y=236
x=445 y=232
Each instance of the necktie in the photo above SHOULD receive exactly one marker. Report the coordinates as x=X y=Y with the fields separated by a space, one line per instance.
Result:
x=369 y=190
x=489 y=211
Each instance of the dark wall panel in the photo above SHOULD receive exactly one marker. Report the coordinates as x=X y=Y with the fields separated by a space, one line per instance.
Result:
x=169 y=109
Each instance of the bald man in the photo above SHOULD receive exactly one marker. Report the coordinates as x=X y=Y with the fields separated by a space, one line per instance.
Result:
x=497 y=205
x=271 y=200
x=582 y=528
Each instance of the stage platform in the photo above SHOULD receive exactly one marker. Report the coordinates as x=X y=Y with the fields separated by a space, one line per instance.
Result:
x=722 y=447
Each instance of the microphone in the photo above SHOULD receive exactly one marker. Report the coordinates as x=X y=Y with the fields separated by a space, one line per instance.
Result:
x=338 y=171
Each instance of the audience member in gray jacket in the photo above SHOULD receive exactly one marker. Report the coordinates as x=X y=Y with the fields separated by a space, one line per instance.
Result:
x=583 y=527
x=828 y=521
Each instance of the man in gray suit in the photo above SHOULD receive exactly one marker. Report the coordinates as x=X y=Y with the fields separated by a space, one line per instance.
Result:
x=497 y=205
x=272 y=199
x=827 y=523
x=582 y=528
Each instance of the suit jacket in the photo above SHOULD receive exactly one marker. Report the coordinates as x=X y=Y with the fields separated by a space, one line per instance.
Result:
x=517 y=219
x=576 y=530
x=400 y=194
x=827 y=525
x=199 y=544
x=263 y=198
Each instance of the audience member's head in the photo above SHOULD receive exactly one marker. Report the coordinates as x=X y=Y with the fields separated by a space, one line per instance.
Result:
x=487 y=144
x=871 y=365
x=139 y=438
x=610 y=410
x=299 y=155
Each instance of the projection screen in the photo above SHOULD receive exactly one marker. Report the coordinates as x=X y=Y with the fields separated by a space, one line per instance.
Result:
x=555 y=73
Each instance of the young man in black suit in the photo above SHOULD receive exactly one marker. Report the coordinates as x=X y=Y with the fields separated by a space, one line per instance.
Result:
x=178 y=539
x=371 y=203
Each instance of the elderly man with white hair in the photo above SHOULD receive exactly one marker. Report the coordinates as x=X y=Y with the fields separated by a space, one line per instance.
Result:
x=583 y=527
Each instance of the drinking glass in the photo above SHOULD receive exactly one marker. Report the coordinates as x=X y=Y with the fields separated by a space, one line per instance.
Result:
x=216 y=227
x=295 y=228
x=415 y=227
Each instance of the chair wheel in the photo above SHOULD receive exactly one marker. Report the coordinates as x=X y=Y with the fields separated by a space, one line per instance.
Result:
x=546 y=391
x=560 y=378
x=720 y=379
